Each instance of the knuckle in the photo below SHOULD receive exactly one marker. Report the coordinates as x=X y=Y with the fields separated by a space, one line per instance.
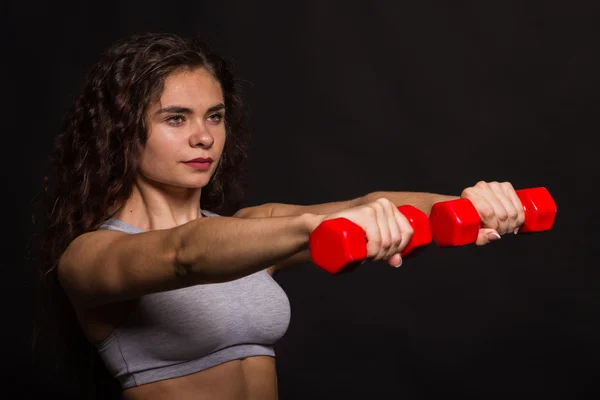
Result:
x=385 y=203
x=487 y=212
x=502 y=216
x=372 y=253
x=396 y=240
x=376 y=205
x=467 y=192
x=370 y=210
x=393 y=209
x=473 y=191
x=376 y=242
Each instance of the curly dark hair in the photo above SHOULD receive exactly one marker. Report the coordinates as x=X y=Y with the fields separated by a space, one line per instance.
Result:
x=94 y=163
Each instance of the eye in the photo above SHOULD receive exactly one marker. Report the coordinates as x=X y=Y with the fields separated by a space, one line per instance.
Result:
x=216 y=117
x=176 y=120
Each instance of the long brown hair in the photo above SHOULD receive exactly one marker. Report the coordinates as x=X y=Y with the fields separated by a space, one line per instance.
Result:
x=93 y=165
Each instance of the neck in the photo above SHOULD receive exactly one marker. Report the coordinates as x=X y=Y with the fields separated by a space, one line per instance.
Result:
x=156 y=206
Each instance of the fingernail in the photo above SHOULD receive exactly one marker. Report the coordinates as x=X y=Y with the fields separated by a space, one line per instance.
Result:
x=493 y=236
x=516 y=231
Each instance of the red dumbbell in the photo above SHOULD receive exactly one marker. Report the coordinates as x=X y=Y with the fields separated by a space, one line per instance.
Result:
x=457 y=223
x=338 y=242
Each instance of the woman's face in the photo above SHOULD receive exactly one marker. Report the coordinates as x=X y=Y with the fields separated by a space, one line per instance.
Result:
x=186 y=131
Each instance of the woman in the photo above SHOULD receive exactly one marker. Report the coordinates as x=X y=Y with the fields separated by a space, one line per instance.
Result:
x=178 y=301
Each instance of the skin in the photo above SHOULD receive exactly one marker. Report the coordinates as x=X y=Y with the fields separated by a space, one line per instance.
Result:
x=103 y=276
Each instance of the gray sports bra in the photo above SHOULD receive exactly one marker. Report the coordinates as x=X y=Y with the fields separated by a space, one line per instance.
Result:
x=179 y=332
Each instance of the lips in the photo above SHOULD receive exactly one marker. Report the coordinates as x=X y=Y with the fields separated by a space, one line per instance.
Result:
x=200 y=160
x=200 y=163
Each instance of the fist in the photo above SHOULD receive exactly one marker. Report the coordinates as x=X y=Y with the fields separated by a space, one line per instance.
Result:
x=387 y=230
x=499 y=208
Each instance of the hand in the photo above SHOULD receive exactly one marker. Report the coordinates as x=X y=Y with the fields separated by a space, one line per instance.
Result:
x=387 y=230
x=499 y=208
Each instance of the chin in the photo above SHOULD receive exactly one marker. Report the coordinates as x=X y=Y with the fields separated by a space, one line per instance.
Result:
x=195 y=184
x=185 y=184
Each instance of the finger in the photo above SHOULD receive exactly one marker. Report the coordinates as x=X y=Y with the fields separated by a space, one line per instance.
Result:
x=507 y=204
x=490 y=209
x=484 y=208
x=384 y=229
x=395 y=230
x=394 y=256
x=372 y=232
x=406 y=230
x=500 y=212
x=512 y=194
x=486 y=236
x=395 y=260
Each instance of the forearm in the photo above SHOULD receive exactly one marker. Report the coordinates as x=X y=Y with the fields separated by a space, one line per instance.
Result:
x=286 y=210
x=222 y=249
x=421 y=200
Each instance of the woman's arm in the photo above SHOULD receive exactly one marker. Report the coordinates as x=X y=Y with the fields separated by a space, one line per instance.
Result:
x=108 y=266
x=497 y=204
x=421 y=200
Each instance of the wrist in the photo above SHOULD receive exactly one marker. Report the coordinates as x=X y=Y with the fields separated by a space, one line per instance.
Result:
x=310 y=222
x=437 y=198
x=367 y=198
x=422 y=200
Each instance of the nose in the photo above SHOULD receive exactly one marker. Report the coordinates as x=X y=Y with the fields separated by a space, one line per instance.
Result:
x=201 y=137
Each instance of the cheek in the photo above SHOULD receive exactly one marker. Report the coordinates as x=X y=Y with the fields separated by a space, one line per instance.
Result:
x=220 y=138
x=161 y=153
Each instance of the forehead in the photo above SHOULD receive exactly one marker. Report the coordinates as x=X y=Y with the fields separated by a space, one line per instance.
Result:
x=191 y=86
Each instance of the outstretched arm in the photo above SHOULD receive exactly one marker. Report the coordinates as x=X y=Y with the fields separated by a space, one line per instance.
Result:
x=496 y=202
x=106 y=266
x=421 y=200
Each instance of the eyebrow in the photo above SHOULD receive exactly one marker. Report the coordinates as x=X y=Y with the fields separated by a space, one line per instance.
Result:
x=187 y=110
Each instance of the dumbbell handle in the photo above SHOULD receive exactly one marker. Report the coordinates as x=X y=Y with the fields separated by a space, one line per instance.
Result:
x=336 y=243
x=457 y=222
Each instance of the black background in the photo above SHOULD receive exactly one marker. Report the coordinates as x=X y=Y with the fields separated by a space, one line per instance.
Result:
x=348 y=98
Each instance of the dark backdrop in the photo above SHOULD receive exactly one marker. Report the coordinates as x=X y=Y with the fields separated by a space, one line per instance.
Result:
x=348 y=98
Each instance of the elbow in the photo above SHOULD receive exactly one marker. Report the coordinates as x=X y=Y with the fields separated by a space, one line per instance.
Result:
x=189 y=262
x=180 y=256
x=183 y=267
x=197 y=270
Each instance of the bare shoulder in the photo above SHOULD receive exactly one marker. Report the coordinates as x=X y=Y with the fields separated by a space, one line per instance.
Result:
x=82 y=251
x=85 y=245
